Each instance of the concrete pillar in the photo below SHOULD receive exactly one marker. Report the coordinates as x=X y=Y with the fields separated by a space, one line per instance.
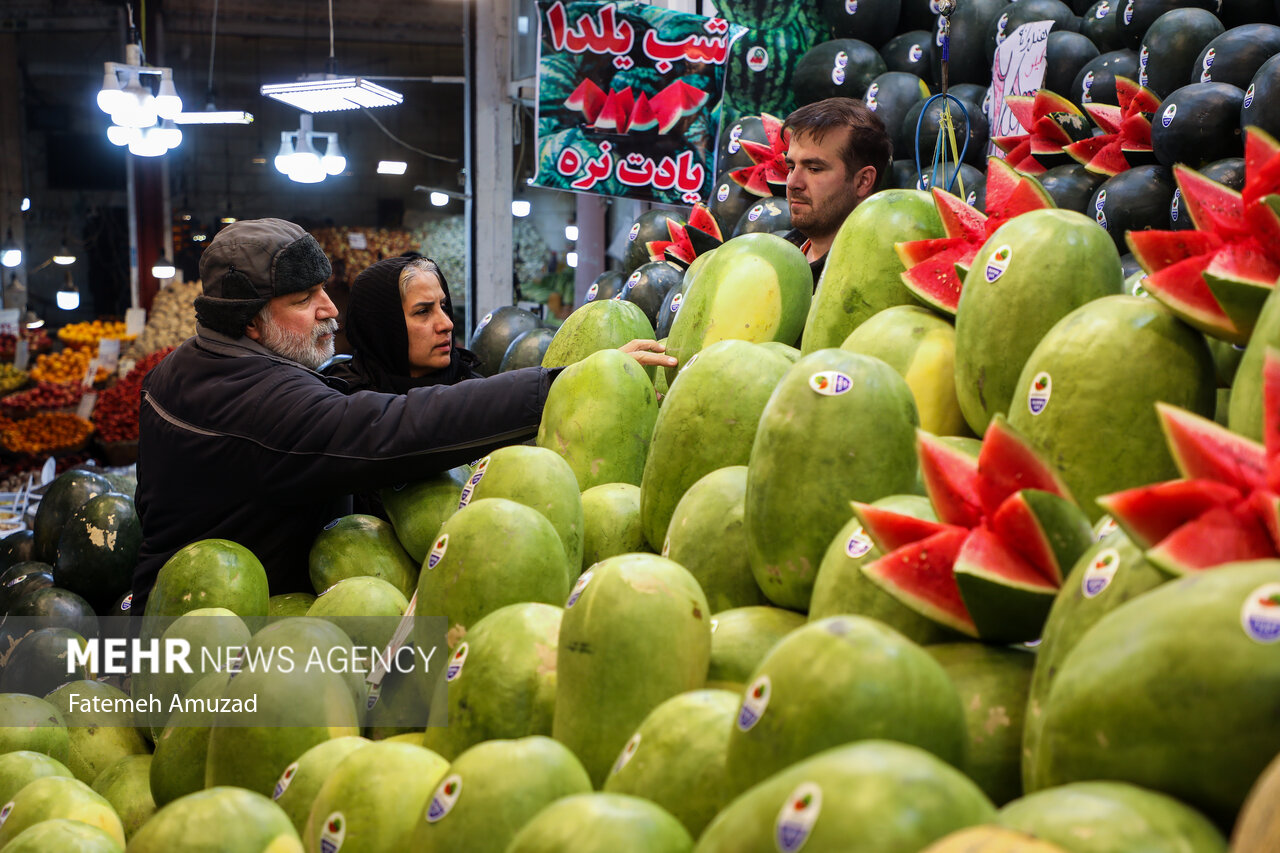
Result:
x=593 y=240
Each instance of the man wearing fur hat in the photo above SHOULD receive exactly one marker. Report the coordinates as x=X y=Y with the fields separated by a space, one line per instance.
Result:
x=241 y=438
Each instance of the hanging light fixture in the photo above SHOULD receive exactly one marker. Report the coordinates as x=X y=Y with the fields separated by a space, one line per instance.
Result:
x=11 y=252
x=333 y=161
x=164 y=269
x=211 y=114
x=299 y=159
x=68 y=298
x=141 y=120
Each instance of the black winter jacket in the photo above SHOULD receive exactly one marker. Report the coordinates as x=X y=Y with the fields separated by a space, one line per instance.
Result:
x=238 y=443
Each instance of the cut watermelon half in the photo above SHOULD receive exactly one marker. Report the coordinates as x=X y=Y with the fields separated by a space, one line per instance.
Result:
x=1226 y=509
x=934 y=267
x=1126 y=137
x=768 y=172
x=587 y=99
x=1217 y=281
x=1019 y=533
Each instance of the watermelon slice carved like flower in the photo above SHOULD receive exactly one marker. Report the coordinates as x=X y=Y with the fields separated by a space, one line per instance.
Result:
x=1052 y=122
x=698 y=236
x=767 y=176
x=1217 y=277
x=934 y=267
x=1007 y=532
x=1225 y=509
x=1126 y=137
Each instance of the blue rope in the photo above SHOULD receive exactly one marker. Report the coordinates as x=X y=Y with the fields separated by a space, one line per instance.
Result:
x=940 y=148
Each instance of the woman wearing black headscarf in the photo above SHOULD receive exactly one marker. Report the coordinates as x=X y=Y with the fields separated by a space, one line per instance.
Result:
x=400 y=328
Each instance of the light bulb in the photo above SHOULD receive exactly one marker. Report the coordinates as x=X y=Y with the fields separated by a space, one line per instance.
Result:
x=571 y=233
x=150 y=143
x=11 y=258
x=168 y=104
x=68 y=300
x=305 y=166
x=138 y=108
x=439 y=199
x=164 y=268
x=285 y=154
x=520 y=207
x=571 y=259
x=121 y=135
x=169 y=134
x=110 y=96
x=333 y=161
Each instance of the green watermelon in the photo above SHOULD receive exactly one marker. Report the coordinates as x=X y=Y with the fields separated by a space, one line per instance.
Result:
x=491 y=553
x=23 y=766
x=839 y=427
x=65 y=835
x=239 y=820
x=126 y=785
x=58 y=797
x=40 y=662
x=299 y=783
x=360 y=546
x=98 y=738
x=701 y=428
x=367 y=609
x=863 y=273
x=601 y=823
x=207 y=573
x=603 y=324
x=178 y=764
x=873 y=796
x=837 y=680
x=501 y=679
x=707 y=536
x=676 y=758
x=741 y=637
x=98 y=549
x=611 y=522
x=539 y=479
x=418 y=509
x=70 y=491
x=624 y=614
x=31 y=724
x=599 y=415
x=288 y=604
x=492 y=790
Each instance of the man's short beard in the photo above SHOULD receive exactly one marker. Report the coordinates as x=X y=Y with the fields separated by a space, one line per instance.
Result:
x=294 y=346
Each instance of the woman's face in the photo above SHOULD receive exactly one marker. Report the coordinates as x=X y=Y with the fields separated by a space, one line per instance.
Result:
x=430 y=329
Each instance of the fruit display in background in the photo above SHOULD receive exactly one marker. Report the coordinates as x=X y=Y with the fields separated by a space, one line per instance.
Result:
x=891 y=96
x=495 y=332
x=1096 y=82
x=1136 y=199
x=770 y=215
x=527 y=350
x=115 y=415
x=910 y=51
x=651 y=226
x=648 y=287
x=841 y=68
x=1172 y=45
x=87 y=335
x=37 y=342
x=69 y=365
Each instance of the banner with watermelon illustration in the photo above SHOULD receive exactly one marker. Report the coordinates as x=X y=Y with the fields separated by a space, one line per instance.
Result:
x=626 y=93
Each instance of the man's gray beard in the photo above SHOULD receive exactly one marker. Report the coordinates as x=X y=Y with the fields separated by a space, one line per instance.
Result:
x=296 y=347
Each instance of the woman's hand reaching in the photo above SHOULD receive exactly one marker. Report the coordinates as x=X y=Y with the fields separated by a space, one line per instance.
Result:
x=648 y=352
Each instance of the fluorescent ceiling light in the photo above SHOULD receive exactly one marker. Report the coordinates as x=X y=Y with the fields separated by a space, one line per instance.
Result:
x=329 y=95
x=392 y=167
x=215 y=117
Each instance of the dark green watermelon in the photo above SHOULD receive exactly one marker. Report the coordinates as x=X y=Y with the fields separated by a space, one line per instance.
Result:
x=38 y=664
x=891 y=96
x=651 y=226
x=729 y=200
x=1198 y=124
x=911 y=52
x=968 y=56
x=670 y=307
x=871 y=21
x=970 y=92
x=606 y=286
x=1236 y=55
x=1065 y=54
x=22 y=578
x=17 y=547
x=52 y=607
x=1171 y=46
x=1261 y=104
x=648 y=286
x=840 y=68
x=1096 y=82
x=1228 y=172
x=758 y=77
x=64 y=496
x=1134 y=200
x=926 y=131
x=768 y=214
x=495 y=332
x=1137 y=16
x=527 y=350
x=1072 y=186
x=98 y=549
x=1024 y=12
x=904 y=175
x=731 y=155
x=1100 y=23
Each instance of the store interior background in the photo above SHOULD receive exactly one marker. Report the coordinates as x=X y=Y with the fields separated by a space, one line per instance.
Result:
x=54 y=150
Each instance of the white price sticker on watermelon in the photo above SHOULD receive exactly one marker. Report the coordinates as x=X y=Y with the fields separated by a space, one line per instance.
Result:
x=1100 y=572
x=754 y=703
x=1260 y=615
x=830 y=383
x=445 y=797
x=797 y=817
x=459 y=659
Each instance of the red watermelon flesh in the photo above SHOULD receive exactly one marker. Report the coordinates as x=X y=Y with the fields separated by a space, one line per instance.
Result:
x=1261 y=165
x=1126 y=129
x=668 y=108
x=1148 y=514
x=1271 y=411
x=702 y=219
x=931 y=264
x=988 y=554
x=1203 y=449
x=1105 y=116
x=1050 y=121
x=1008 y=464
x=642 y=117
x=611 y=117
x=951 y=480
x=1217 y=537
x=921 y=575
x=769 y=162
x=893 y=530
x=587 y=99
x=1019 y=523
